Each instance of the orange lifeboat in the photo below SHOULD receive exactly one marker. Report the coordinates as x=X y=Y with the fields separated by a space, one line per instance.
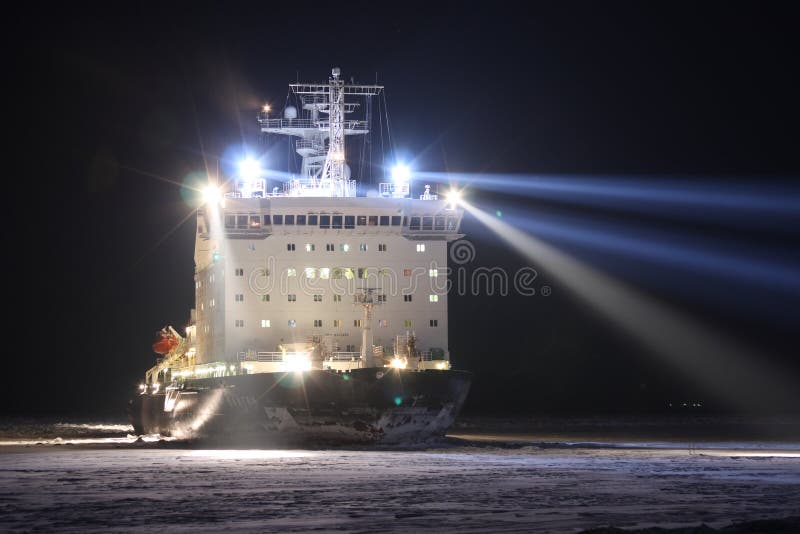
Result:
x=165 y=342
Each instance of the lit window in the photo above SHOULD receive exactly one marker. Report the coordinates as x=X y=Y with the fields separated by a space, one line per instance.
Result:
x=434 y=322
x=407 y=298
x=337 y=323
x=317 y=298
x=292 y=323
x=358 y=323
x=344 y=247
x=291 y=272
x=324 y=273
x=309 y=247
x=363 y=247
x=265 y=323
x=383 y=323
x=420 y=247
x=290 y=247
x=202 y=306
x=362 y=272
x=212 y=303
x=239 y=297
x=408 y=323
x=433 y=273
x=292 y=298
x=433 y=298
x=337 y=298
x=211 y=279
x=317 y=323
x=311 y=272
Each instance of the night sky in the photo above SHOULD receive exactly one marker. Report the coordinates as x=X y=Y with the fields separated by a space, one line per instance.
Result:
x=100 y=104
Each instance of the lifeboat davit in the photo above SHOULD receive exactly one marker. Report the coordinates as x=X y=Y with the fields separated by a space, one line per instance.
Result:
x=165 y=342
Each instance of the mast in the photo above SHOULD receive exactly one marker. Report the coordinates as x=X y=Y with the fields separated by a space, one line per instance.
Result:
x=333 y=171
x=321 y=140
x=367 y=351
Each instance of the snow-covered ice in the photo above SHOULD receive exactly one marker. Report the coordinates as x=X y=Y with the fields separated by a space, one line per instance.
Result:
x=464 y=486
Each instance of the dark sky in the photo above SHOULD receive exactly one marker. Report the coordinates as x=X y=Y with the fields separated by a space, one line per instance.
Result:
x=98 y=103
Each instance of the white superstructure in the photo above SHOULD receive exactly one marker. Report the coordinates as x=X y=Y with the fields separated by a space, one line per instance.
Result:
x=309 y=275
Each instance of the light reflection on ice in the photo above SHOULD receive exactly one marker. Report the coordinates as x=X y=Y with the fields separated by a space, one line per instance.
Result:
x=234 y=454
x=104 y=427
x=87 y=441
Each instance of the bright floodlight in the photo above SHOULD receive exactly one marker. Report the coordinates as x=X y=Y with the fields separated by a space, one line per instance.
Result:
x=401 y=174
x=266 y=108
x=249 y=168
x=211 y=195
x=453 y=197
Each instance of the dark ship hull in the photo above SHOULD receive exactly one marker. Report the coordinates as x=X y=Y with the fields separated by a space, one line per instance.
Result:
x=369 y=406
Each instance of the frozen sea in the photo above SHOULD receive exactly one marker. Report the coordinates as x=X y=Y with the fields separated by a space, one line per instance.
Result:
x=490 y=474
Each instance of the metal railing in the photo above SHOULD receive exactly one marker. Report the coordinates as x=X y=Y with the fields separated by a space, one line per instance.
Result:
x=344 y=357
x=310 y=143
x=260 y=356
